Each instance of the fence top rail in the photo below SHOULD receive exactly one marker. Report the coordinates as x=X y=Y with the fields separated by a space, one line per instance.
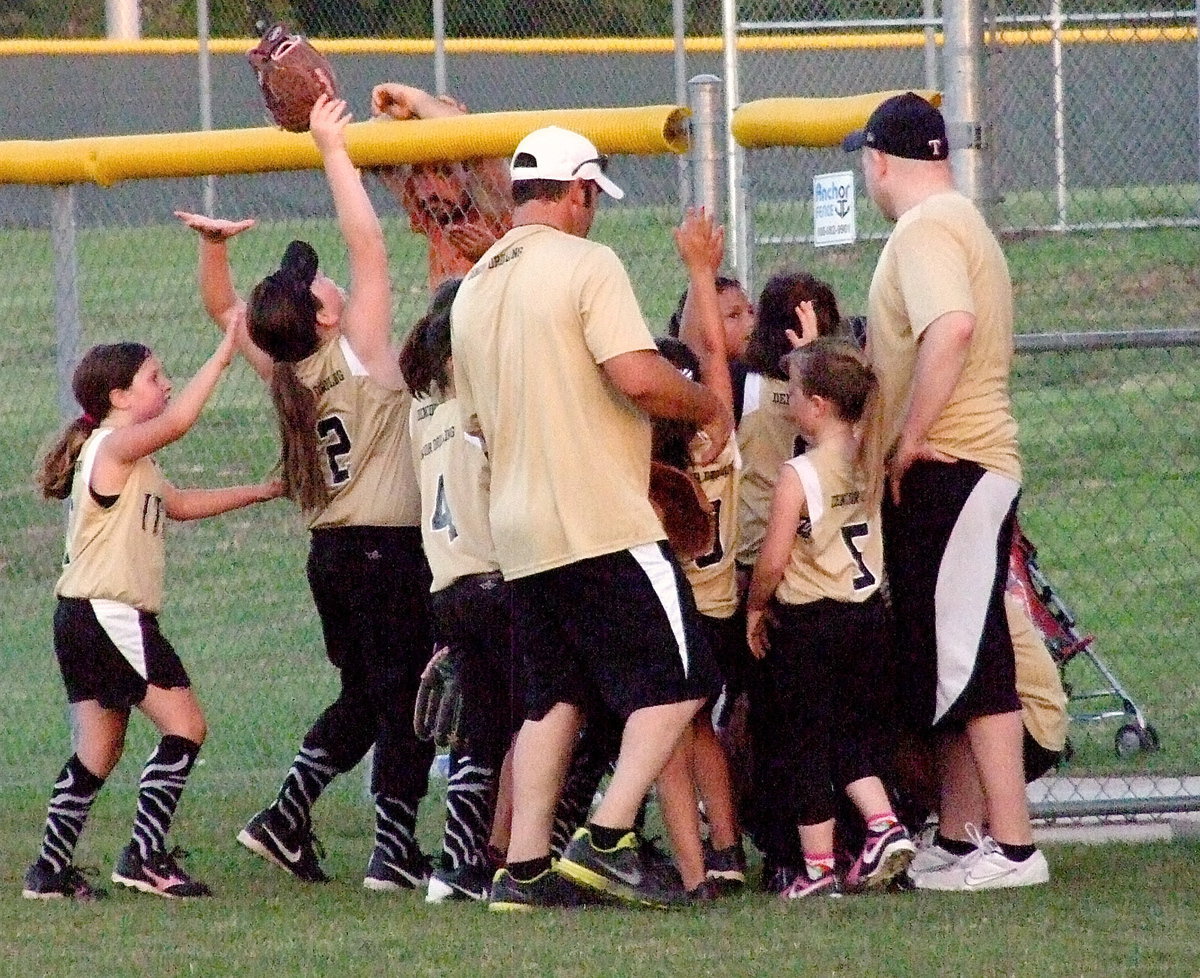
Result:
x=647 y=130
x=755 y=36
x=1133 y=16
x=1125 y=339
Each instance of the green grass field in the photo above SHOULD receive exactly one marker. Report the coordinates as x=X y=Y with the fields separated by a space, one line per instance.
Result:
x=1111 y=499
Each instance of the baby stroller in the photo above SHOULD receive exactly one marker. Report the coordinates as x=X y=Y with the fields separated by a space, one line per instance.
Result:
x=1058 y=627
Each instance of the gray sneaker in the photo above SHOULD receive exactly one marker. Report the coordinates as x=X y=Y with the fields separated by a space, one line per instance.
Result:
x=620 y=872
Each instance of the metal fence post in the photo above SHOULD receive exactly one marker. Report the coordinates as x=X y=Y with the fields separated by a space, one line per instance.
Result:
x=204 y=66
x=66 y=293
x=704 y=97
x=439 y=47
x=679 y=23
x=1060 y=130
x=737 y=220
x=963 y=103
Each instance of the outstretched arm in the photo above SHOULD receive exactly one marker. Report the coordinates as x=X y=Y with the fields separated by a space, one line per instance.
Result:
x=409 y=102
x=196 y=504
x=701 y=245
x=366 y=320
x=221 y=301
x=120 y=450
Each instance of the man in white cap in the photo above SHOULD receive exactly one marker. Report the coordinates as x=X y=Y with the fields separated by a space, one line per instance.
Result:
x=940 y=336
x=556 y=365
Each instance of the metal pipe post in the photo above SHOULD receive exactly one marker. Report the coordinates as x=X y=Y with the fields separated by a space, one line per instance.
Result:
x=122 y=20
x=204 y=66
x=929 y=13
x=737 y=223
x=679 y=21
x=66 y=294
x=1060 y=128
x=964 y=103
x=439 y=47
x=707 y=155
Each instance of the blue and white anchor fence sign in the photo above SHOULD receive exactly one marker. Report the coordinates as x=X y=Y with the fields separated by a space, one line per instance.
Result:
x=833 y=209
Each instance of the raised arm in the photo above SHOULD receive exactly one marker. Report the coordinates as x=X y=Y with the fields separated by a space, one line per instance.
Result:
x=409 y=102
x=120 y=450
x=701 y=245
x=366 y=320
x=221 y=301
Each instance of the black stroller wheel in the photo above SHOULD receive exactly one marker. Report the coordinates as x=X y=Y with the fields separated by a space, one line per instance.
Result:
x=1132 y=739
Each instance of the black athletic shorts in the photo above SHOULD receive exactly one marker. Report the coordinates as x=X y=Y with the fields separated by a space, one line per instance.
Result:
x=946 y=548
x=110 y=652
x=473 y=616
x=619 y=631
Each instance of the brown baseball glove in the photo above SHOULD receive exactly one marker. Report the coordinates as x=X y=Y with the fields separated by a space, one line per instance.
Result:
x=686 y=513
x=292 y=75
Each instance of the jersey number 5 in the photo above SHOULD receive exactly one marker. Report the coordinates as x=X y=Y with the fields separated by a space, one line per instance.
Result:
x=851 y=532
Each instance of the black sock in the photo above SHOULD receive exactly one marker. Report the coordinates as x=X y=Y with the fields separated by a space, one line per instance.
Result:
x=604 y=837
x=529 y=869
x=1018 y=854
x=955 y=847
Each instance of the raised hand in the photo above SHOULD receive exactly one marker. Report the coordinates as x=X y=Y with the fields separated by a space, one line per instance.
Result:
x=328 y=121
x=216 y=229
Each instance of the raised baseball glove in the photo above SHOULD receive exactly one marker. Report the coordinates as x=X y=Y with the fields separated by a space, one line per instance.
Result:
x=686 y=513
x=292 y=75
x=438 y=708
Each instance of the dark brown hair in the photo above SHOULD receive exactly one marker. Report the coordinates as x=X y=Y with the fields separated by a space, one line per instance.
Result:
x=103 y=369
x=426 y=349
x=524 y=191
x=777 y=304
x=281 y=319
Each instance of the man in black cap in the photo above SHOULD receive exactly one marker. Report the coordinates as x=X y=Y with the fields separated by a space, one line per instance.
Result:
x=939 y=332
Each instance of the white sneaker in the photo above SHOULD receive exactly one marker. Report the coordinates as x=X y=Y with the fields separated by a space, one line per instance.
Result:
x=935 y=868
x=930 y=859
x=987 y=868
x=995 y=871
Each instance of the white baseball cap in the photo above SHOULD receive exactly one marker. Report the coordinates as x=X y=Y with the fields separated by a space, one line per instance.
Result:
x=554 y=153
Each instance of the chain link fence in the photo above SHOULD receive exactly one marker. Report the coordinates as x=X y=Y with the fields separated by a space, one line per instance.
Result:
x=1108 y=434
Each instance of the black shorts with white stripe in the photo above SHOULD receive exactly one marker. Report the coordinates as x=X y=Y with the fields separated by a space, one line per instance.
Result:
x=110 y=652
x=618 y=631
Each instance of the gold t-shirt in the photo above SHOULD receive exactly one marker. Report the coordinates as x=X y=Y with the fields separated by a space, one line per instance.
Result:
x=362 y=427
x=453 y=472
x=838 y=549
x=570 y=454
x=713 y=576
x=766 y=438
x=116 y=552
x=942 y=257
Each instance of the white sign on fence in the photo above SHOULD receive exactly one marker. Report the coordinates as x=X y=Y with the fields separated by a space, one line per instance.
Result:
x=833 y=209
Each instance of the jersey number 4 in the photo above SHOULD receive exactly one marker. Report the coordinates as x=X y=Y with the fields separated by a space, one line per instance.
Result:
x=441 y=519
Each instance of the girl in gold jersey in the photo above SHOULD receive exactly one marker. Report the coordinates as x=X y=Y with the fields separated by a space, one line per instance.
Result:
x=106 y=637
x=342 y=410
x=816 y=617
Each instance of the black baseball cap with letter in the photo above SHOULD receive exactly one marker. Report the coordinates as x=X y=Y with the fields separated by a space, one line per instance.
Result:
x=903 y=125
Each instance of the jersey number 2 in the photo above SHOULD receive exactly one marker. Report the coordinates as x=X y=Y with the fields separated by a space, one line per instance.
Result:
x=332 y=435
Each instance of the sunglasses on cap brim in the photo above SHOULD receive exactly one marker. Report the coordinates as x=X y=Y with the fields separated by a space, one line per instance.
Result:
x=601 y=161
